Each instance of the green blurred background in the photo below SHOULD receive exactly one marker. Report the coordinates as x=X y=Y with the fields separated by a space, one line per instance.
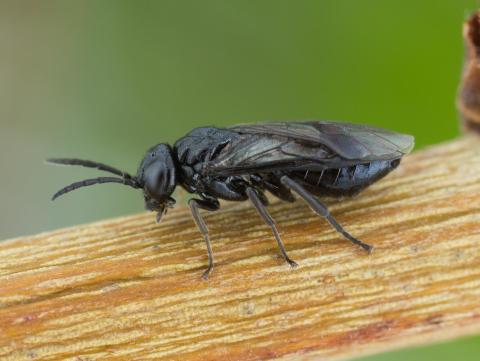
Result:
x=107 y=79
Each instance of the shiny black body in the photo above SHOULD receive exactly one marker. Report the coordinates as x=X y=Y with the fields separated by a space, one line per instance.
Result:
x=317 y=158
x=200 y=151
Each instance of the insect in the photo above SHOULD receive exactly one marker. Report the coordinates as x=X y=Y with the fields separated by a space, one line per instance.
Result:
x=309 y=159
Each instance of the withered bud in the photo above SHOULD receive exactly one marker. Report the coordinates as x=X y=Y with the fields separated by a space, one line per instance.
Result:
x=468 y=101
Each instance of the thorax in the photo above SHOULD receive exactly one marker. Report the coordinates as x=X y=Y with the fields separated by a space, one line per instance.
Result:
x=196 y=149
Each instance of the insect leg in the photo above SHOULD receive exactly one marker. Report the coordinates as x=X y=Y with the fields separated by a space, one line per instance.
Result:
x=195 y=206
x=322 y=210
x=262 y=210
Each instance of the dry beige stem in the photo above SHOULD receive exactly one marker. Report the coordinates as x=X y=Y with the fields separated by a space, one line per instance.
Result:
x=128 y=289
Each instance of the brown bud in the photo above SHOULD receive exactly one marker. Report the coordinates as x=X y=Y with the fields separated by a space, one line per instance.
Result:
x=468 y=101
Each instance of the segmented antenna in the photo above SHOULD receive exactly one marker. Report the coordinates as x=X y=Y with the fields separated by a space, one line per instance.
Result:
x=125 y=179
x=89 y=164
x=89 y=182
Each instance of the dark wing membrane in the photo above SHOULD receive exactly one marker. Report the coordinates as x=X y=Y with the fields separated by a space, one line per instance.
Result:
x=350 y=141
x=303 y=145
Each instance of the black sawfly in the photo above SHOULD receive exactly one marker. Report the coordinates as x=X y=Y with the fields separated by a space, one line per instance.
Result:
x=309 y=159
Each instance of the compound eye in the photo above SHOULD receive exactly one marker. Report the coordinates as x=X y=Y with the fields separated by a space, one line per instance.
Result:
x=158 y=180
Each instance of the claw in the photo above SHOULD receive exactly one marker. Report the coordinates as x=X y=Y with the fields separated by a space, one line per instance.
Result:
x=366 y=247
x=369 y=249
x=207 y=272
x=292 y=263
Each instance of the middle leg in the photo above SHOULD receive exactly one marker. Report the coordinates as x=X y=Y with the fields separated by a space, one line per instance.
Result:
x=262 y=210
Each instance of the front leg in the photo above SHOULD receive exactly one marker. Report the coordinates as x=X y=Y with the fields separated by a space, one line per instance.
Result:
x=210 y=204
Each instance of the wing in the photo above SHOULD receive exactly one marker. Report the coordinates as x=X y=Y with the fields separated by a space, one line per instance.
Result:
x=299 y=145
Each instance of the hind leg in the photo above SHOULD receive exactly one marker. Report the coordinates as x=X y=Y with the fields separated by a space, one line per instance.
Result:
x=322 y=210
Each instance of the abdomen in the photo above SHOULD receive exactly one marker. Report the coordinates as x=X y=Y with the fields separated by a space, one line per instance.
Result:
x=344 y=181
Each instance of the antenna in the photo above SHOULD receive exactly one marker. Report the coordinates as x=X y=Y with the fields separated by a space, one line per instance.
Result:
x=91 y=182
x=125 y=179
x=88 y=164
